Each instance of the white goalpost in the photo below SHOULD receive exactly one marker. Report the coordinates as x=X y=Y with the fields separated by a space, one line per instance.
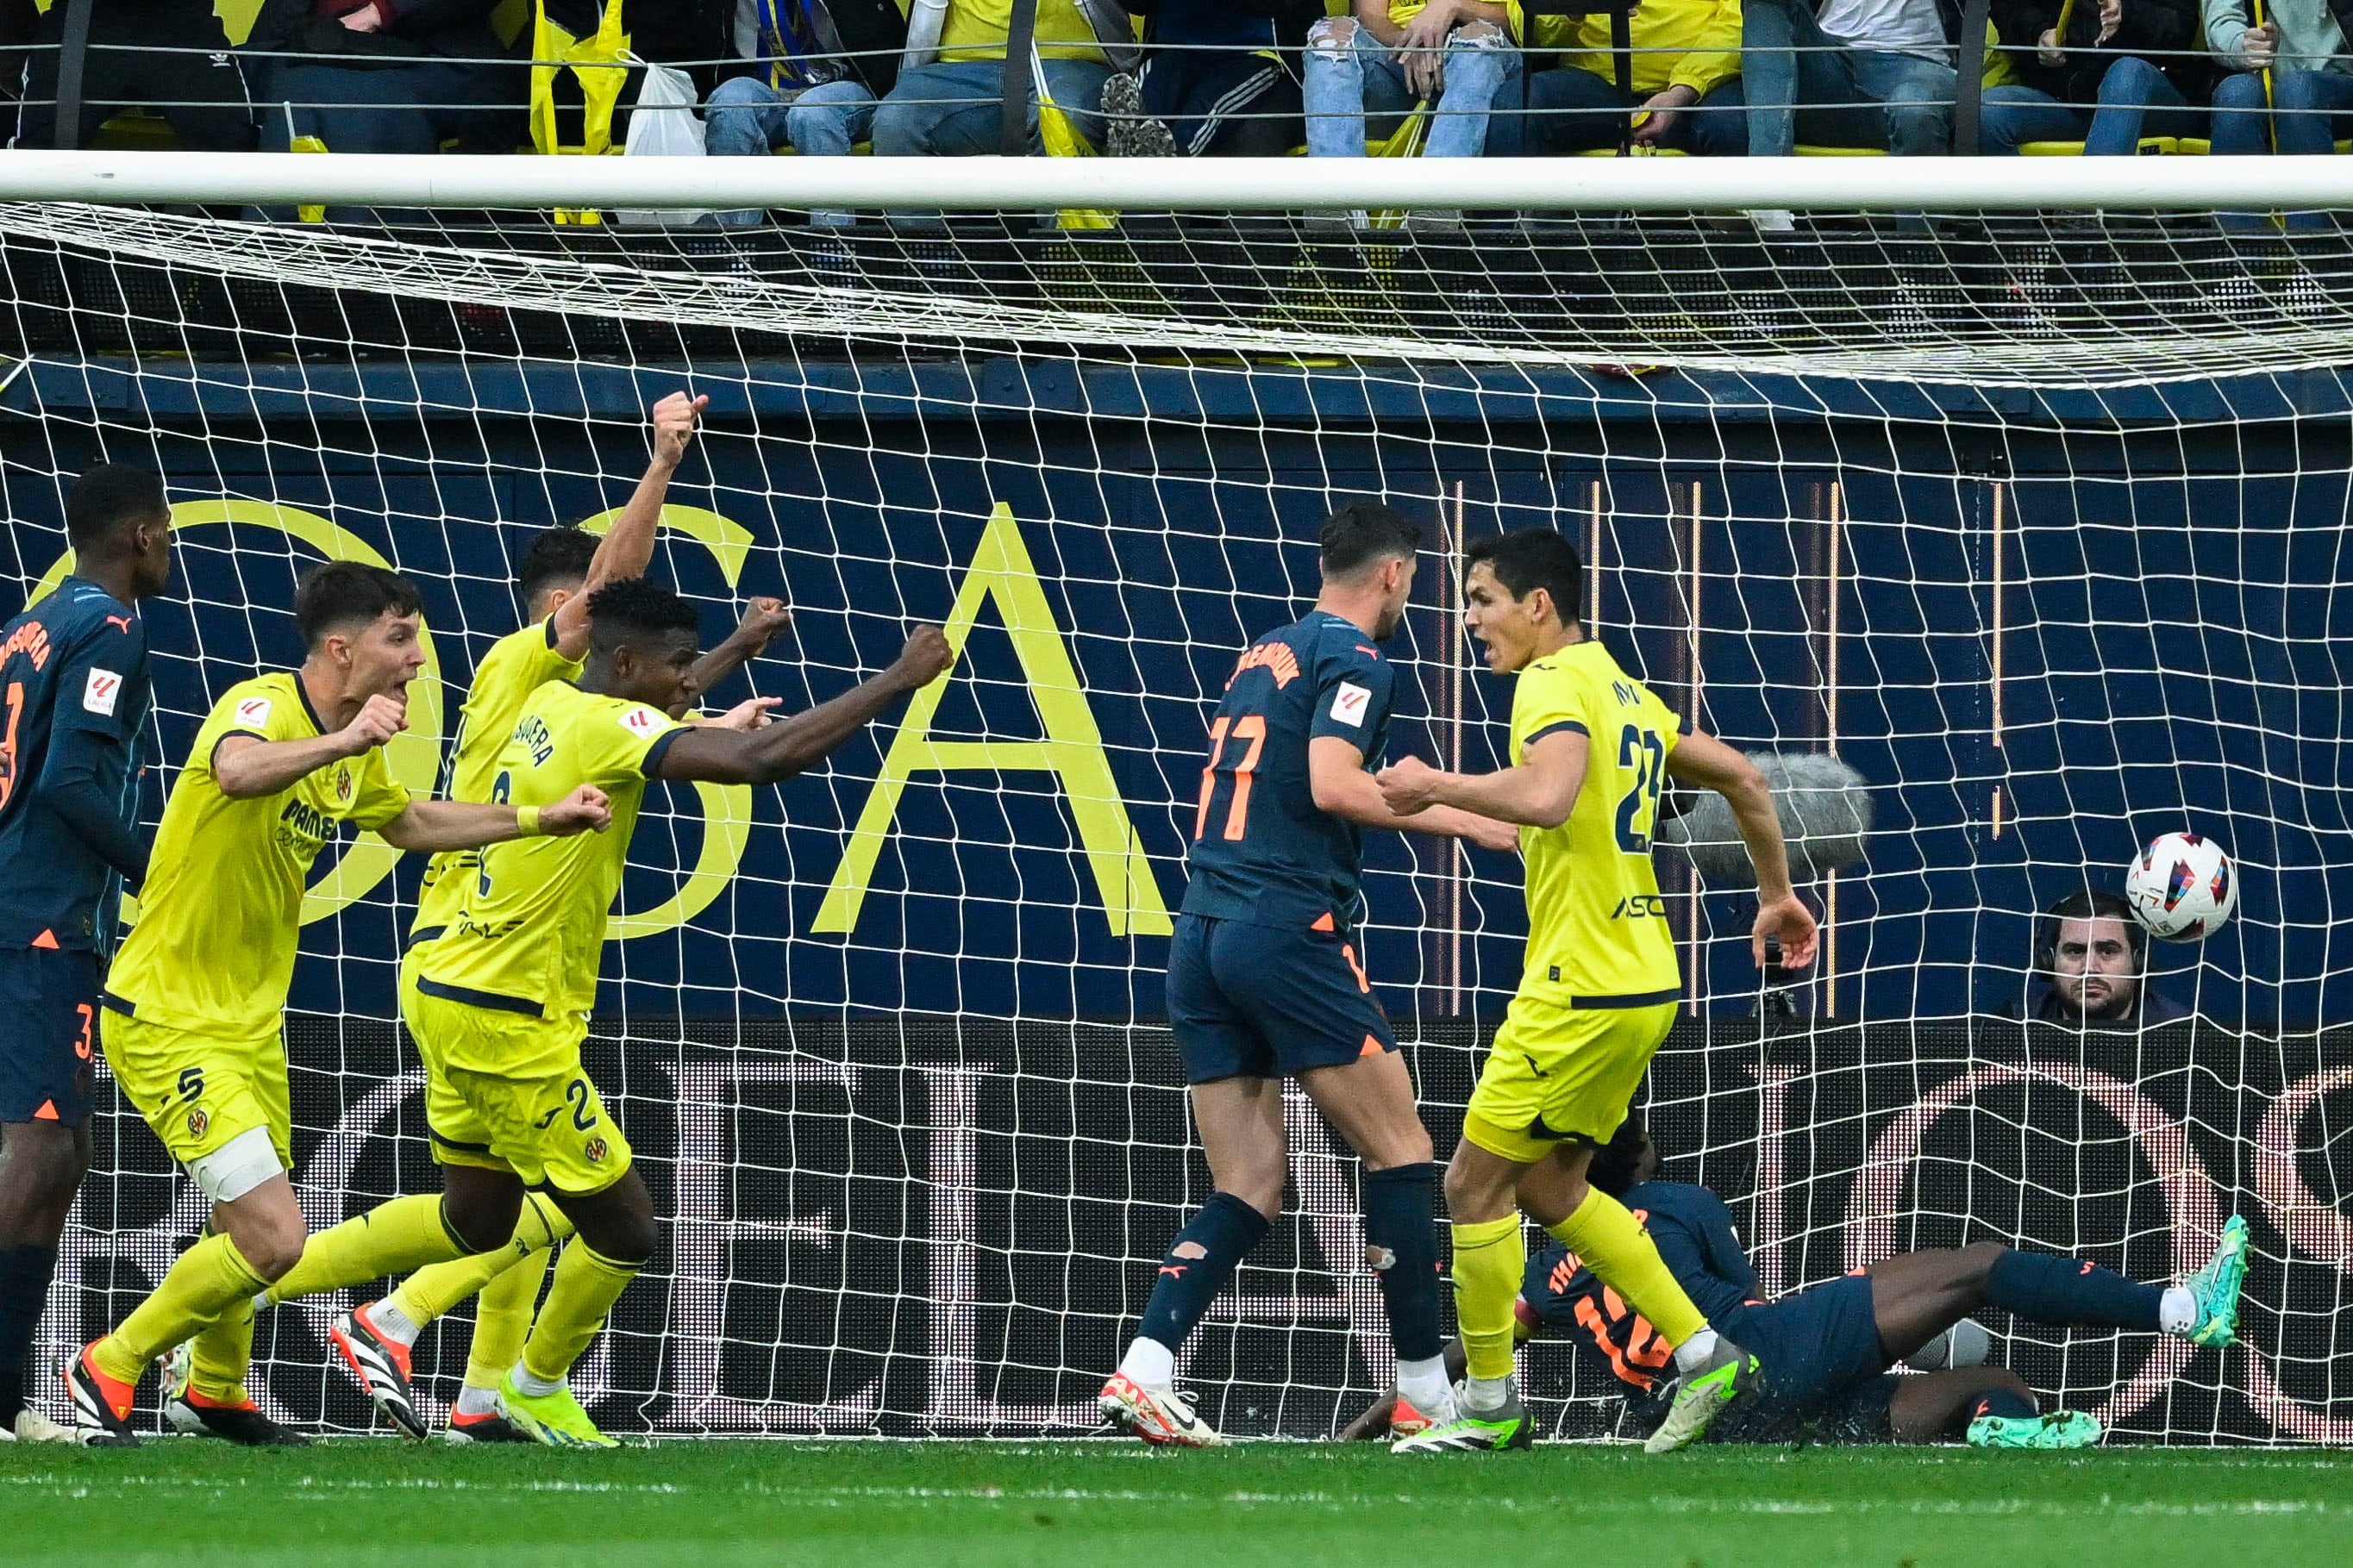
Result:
x=2019 y=487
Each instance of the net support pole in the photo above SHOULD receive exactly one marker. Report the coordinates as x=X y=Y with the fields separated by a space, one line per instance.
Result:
x=1968 y=90
x=1020 y=38
x=1177 y=184
x=73 y=51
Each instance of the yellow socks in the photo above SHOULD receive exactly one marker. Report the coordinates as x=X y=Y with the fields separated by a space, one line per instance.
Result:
x=222 y=1354
x=586 y=1286
x=508 y=1281
x=1621 y=1255
x=390 y=1239
x=1489 y=1262
x=208 y=1278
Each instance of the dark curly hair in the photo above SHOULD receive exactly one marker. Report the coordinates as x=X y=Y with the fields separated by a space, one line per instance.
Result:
x=635 y=607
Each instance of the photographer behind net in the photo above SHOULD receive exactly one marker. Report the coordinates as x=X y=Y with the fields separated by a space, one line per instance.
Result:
x=2091 y=960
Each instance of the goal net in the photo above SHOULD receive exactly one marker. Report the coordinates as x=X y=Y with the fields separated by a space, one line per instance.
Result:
x=2035 y=522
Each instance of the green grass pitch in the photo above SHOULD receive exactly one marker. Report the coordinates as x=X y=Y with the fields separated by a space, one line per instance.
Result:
x=707 y=1503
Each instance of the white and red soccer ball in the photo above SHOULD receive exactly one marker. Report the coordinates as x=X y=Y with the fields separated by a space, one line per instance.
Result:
x=2183 y=887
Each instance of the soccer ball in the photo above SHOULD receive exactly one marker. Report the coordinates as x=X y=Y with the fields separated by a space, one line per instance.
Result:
x=2182 y=888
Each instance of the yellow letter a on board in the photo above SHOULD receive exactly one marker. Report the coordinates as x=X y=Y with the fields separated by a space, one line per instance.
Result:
x=1072 y=750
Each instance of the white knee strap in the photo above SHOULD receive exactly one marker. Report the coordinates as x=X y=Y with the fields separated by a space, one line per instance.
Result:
x=236 y=1167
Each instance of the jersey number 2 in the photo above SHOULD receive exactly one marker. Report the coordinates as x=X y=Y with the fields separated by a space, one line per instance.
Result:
x=1638 y=813
x=1250 y=727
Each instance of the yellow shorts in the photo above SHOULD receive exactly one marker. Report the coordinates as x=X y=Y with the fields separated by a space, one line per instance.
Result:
x=198 y=1092
x=1555 y=1073
x=550 y=1129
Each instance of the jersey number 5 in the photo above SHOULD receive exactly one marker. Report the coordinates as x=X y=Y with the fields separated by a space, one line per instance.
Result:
x=1250 y=727
x=1638 y=813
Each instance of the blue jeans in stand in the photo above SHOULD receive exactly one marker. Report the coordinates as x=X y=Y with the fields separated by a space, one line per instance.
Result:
x=746 y=117
x=1355 y=86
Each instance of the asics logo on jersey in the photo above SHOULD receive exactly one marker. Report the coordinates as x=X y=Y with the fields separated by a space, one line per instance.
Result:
x=32 y=641
x=1641 y=906
x=1275 y=658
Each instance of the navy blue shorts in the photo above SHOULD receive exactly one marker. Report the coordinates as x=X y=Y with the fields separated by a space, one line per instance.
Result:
x=1821 y=1350
x=1252 y=1000
x=48 y=1034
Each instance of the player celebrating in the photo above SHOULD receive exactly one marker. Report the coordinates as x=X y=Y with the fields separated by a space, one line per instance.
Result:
x=1826 y=1350
x=560 y=569
x=1265 y=979
x=194 y=1002
x=1591 y=749
x=73 y=667
x=500 y=1000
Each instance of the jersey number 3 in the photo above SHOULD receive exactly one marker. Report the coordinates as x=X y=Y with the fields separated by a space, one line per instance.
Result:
x=1638 y=813
x=1249 y=727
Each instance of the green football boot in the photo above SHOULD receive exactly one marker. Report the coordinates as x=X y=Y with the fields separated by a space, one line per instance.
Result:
x=554 y=1419
x=1703 y=1397
x=1473 y=1431
x=2216 y=1288
x=2060 y=1429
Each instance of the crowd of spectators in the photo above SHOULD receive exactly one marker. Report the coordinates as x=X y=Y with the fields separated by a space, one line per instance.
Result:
x=1195 y=78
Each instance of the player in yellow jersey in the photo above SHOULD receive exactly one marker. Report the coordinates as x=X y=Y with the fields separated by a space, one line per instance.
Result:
x=500 y=1000
x=560 y=569
x=194 y=998
x=1591 y=748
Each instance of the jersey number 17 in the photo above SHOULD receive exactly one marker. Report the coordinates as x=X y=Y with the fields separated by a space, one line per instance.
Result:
x=1224 y=730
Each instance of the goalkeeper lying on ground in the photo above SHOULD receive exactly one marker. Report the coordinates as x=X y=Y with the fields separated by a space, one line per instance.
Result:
x=1826 y=1350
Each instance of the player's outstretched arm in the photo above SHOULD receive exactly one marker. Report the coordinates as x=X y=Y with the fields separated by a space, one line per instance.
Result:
x=778 y=751
x=428 y=825
x=1336 y=775
x=629 y=543
x=246 y=766
x=764 y=618
x=1703 y=760
x=1539 y=793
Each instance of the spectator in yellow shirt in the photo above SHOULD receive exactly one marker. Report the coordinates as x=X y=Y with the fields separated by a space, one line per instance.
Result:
x=1685 y=50
x=948 y=98
x=1364 y=73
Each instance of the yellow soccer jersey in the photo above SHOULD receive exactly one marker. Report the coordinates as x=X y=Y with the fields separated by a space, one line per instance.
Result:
x=517 y=665
x=530 y=927
x=1596 y=926
x=222 y=910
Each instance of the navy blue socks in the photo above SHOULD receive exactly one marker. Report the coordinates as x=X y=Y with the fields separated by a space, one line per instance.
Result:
x=24 y=1276
x=1199 y=1262
x=2045 y=1289
x=1401 y=1244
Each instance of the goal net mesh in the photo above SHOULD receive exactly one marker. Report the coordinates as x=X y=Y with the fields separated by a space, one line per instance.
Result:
x=2037 y=524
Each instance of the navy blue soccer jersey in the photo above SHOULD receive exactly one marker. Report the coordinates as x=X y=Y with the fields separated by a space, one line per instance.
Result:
x=1694 y=1236
x=1262 y=850
x=73 y=680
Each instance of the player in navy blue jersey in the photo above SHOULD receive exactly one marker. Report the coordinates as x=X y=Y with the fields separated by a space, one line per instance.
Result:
x=1826 y=1350
x=73 y=697
x=1266 y=976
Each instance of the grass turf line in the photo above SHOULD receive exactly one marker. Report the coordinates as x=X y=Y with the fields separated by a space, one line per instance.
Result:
x=709 y=1504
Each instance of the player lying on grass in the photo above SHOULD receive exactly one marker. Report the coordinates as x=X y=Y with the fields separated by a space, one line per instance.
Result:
x=1825 y=1351
x=194 y=1002
x=500 y=998
x=560 y=569
x=1264 y=980
x=1591 y=748
x=75 y=669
